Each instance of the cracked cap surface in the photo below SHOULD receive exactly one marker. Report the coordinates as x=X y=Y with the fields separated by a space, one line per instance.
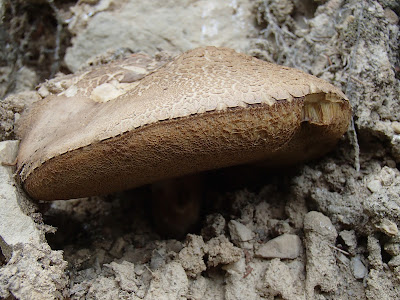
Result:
x=207 y=109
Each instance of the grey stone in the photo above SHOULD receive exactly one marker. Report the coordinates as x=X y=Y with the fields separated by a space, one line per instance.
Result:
x=15 y=226
x=358 y=268
x=284 y=246
x=135 y=28
x=320 y=237
x=350 y=239
x=240 y=234
x=394 y=262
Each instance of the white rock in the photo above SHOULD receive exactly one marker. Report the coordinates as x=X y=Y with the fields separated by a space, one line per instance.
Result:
x=15 y=226
x=394 y=262
x=240 y=234
x=191 y=257
x=387 y=227
x=222 y=251
x=219 y=23
x=374 y=185
x=387 y=176
x=393 y=248
x=358 y=268
x=396 y=127
x=284 y=246
x=322 y=271
x=279 y=281
x=125 y=275
x=170 y=282
x=350 y=239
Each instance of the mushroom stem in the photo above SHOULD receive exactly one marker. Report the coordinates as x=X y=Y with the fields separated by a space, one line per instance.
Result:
x=176 y=204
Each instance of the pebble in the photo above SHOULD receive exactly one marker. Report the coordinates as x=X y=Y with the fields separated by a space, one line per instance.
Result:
x=387 y=176
x=316 y=223
x=322 y=271
x=118 y=247
x=349 y=238
x=215 y=226
x=358 y=268
x=396 y=127
x=374 y=185
x=392 y=17
x=394 y=262
x=391 y=163
x=388 y=227
x=286 y=246
x=392 y=248
x=240 y=234
x=157 y=260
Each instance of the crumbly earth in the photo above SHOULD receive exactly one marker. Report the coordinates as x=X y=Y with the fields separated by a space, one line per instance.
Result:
x=324 y=230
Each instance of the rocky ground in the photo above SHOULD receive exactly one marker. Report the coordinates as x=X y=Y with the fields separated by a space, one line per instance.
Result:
x=324 y=230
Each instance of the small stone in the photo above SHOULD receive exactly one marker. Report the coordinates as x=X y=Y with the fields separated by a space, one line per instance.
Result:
x=118 y=247
x=387 y=227
x=349 y=238
x=358 y=268
x=285 y=246
x=82 y=256
x=374 y=186
x=319 y=237
x=43 y=91
x=391 y=163
x=170 y=282
x=279 y=227
x=197 y=288
x=157 y=260
x=240 y=234
x=215 y=226
x=125 y=275
x=238 y=267
x=392 y=248
x=191 y=256
x=387 y=176
x=173 y=245
x=315 y=223
x=222 y=251
x=392 y=17
x=279 y=281
x=394 y=262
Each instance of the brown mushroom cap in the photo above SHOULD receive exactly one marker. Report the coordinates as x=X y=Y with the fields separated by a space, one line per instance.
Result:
x=209 y=108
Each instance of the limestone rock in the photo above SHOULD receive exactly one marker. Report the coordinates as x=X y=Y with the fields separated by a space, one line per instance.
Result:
x=240 y=234
x=15 y=226
x=284 y=246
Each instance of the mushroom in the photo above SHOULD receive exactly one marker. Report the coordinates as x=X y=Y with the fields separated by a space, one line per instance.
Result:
x=209 y=108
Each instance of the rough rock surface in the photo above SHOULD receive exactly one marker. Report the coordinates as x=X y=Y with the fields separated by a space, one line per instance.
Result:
x=320 y=236
x=171 y=25
x=33 y=269
x=240 y=234
x=15 y=226
x=10 y=112
x=192 y=255
x=279 y=281
x=34 y=272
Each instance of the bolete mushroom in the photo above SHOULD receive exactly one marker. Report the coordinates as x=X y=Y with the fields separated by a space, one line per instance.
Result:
x=209 y=108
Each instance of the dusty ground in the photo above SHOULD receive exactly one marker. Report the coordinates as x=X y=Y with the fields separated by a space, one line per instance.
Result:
x=324 y=230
